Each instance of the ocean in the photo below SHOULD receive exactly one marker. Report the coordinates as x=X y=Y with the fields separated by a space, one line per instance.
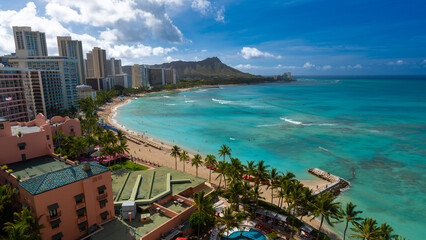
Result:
x=370 y=131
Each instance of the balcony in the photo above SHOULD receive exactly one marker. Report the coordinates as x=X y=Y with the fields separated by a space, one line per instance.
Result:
x=81 y=219
x=102 y=196
x=51 y=218
x=80 y=205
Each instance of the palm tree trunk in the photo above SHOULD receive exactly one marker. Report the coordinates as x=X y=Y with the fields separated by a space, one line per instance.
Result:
x=175 y=163
x=196 y=171
x=184 y=166
x=346 y=228
x=319 y=229
x=210 y=176
x=220 y=181
x=272 y=196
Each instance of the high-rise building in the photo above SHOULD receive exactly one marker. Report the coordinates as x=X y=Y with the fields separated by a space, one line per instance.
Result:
x=123 y=80
x=73 y=48
x=113 y=67
x=96 y=63
x=29 y=43
x=16 y=99
x=55 y=73
x=140 y=76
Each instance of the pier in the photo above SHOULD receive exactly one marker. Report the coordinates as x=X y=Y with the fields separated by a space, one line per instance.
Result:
x=337 y=184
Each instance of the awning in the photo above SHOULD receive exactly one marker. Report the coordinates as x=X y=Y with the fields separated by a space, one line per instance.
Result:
x=55 y=223
x=306 y=228
x=101 y=188
x=82 y=225
x=57 y=236
x=281 y=217
x=79 y=197
x=21 y=145
x=104 y=214
x=81 y=211
x=53 y=207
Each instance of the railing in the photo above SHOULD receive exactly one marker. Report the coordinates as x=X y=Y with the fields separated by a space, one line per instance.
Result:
x=51 y=218
x=80 y=205
x=102 y=196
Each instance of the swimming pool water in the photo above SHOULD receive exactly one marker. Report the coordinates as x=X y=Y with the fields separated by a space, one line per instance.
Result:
x=252 y=234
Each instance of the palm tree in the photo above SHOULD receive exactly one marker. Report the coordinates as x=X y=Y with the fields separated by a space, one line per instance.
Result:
x=234 y=189
x=221 y=168
x=349 y=215
x=229 y=221
x=367 y=229
x=273 y=177
x=224 y=151
x=197 y=161
x=120 y=136
x=6 y=204
x=327 y=208
x=256 y=193
x=235 y=169
x=175 y=152
x=183 y=158
x=24 y=226
x=250 y=167
x=261 y=171
x=386 y=232
x=204 y=207
x=210 y=160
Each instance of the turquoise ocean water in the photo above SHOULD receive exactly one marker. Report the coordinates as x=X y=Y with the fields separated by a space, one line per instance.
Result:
x=370 y=131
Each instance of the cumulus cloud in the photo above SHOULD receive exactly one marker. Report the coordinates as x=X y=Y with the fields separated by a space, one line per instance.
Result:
x=326 y=67
x=250 y=53
x=279 y=66
x=246 y=66
x=398 y=62
x=170 y=59
x=204 y=50
x=130 y=20
x=356 y=66
x=308 y=65
x=206 y=8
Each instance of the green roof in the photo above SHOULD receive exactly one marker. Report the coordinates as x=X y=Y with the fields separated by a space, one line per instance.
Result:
x=60 y=178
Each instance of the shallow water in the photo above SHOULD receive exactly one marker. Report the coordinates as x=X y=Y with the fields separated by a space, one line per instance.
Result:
x=371 y=132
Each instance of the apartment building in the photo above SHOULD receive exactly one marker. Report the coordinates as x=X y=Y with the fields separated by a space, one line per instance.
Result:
x=74 y=49
x=29 y=43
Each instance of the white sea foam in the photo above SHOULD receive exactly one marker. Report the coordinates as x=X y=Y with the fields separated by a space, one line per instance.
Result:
x=291 y=121
x=268 y=125
x=324 y=149
x=233 y=139
x=189 y=101
x=305 y=124
x=166 y=96
x=223 y=101
x=170 y=104
x=202 y=90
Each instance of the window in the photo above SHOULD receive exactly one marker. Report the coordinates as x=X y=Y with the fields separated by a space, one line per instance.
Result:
x=81 y=212
x=83 y=226
x=1 y=126
x=47 y=137
x=104 y=215
x=53 y=210
x=79 y=198
x=24 y=157
x=58 y=236
x=22 y=146
x=103 y=203
x=101 y=189
x=55 y=224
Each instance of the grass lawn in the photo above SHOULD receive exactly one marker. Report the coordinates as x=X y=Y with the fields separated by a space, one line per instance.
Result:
x=129 y=165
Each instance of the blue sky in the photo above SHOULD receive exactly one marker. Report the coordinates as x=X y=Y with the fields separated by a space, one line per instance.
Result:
x=309 y=37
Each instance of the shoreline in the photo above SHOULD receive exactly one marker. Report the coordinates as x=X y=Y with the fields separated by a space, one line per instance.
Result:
x=158 y=151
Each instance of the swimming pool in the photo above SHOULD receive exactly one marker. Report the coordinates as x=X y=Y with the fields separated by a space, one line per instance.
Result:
x=252 y=234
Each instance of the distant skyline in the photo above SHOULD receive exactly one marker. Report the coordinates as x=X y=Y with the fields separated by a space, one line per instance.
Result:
x=305 y=37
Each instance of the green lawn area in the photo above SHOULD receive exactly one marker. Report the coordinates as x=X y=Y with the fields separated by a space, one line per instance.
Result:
x=129 y=165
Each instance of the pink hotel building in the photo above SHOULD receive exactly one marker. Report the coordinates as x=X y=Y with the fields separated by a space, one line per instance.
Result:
x=72 y=200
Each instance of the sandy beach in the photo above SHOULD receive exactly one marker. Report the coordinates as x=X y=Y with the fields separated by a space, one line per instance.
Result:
x=159 y=153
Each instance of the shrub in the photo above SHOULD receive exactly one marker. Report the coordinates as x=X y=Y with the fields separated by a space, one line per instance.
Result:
x=271 y=235
x=241 y=215
x=4 y=167
x=9 y=171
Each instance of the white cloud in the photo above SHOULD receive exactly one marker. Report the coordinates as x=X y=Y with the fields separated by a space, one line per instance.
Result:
x=279 y=66
x=424 y=62
x=308 y=65
x=358 y=66
x=398 y=62
x=131 y=20
x=249 y=53
x=170 y=59
x=203 y=6
x=326 y=67
x=246 y=66
x=204 y=50
x=220 y=15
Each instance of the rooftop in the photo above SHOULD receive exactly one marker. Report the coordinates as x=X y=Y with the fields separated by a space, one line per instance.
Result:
x=61 y=177
x=37 y=166
x=143 y=186
x=24 y=129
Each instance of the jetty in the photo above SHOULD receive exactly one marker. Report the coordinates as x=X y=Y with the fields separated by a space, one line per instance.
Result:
x=337 y=184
